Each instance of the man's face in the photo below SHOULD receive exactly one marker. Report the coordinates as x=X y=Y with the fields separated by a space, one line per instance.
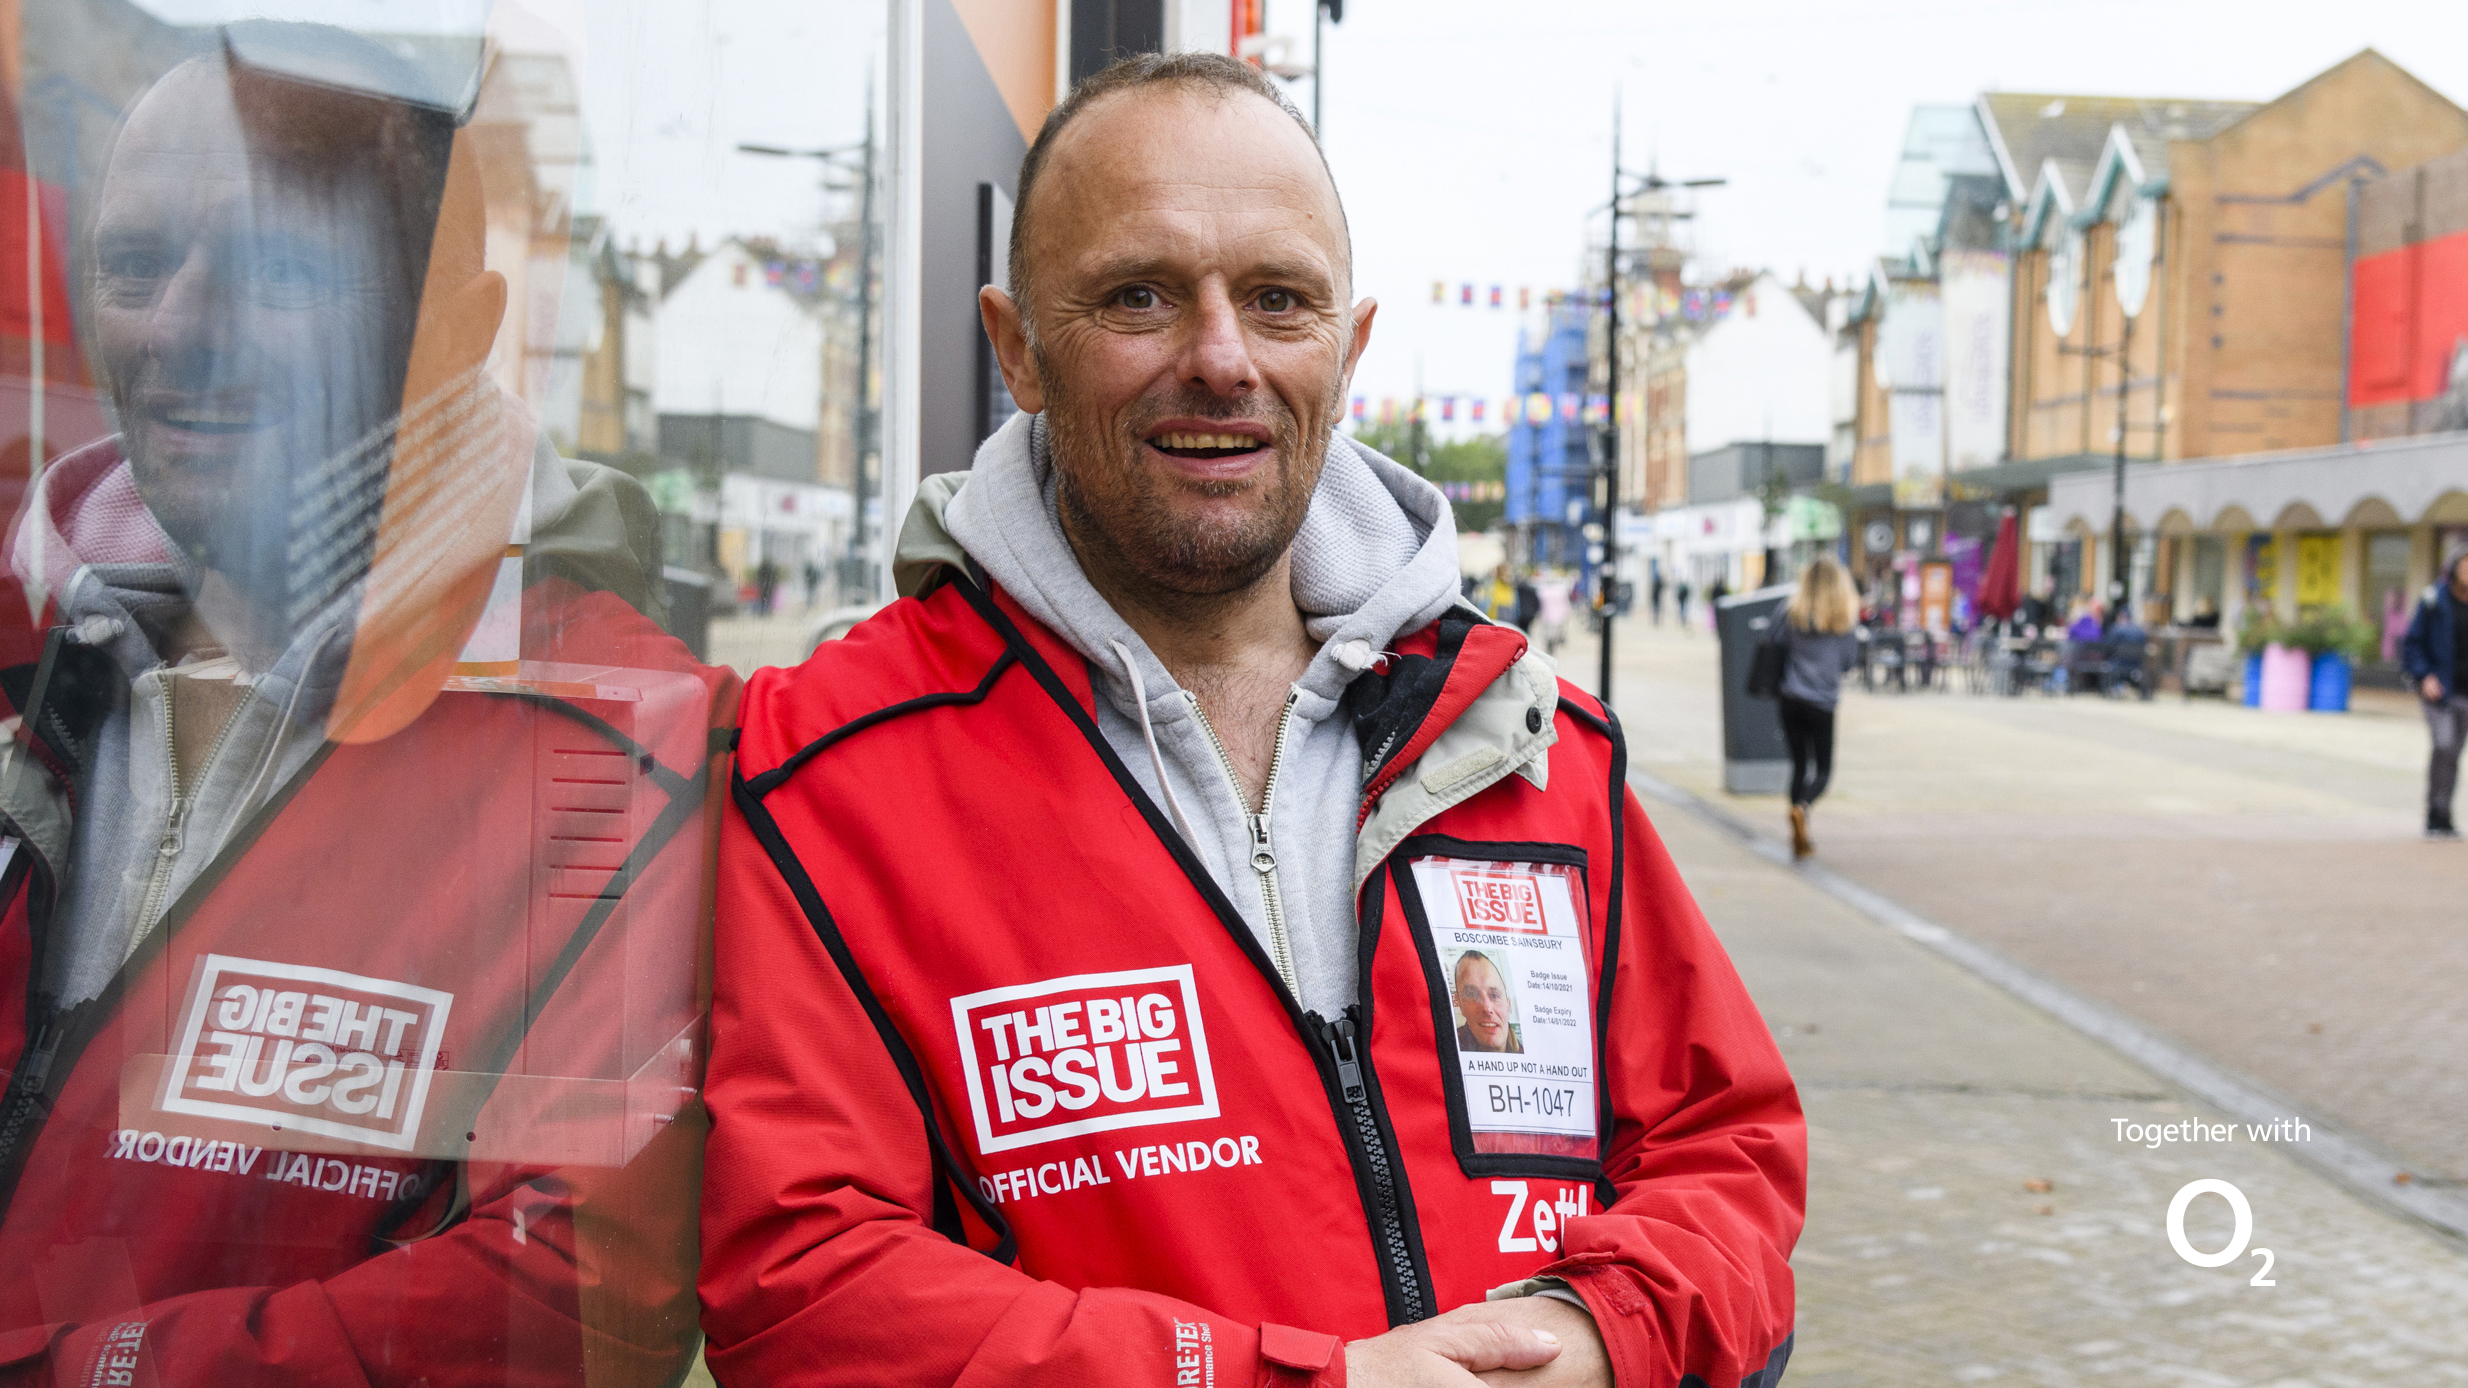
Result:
x=1193 y=341
x=1482 y=999
x=250 y=317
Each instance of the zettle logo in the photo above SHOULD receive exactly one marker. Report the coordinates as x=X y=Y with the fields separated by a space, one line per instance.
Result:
x=317 y=1050
x=1084 y=1054
x=1499 y=901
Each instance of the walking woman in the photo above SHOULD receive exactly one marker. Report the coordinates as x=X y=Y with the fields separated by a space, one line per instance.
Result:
x=1820 y=637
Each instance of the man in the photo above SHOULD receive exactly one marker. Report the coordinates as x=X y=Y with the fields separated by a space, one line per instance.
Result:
x=1482 y=1000
x=2434 y=654
x=1078 y=1013
x=322 y=957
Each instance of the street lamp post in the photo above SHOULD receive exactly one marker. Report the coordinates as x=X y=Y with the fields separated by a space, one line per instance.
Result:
x=1607 y=581
x=865 y=420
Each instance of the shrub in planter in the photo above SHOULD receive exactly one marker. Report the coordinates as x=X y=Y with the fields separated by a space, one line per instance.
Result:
x=2335 y=639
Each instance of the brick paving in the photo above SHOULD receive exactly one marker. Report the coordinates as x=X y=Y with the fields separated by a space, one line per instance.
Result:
x=2249 y=885
x=1936 y=1105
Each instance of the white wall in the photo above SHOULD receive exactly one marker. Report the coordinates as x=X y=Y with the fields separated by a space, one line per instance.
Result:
x=1764 y=374
x=732 y=344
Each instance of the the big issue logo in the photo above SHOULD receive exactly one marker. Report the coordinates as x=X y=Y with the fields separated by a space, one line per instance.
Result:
x=1084 y=1054
x=315 y=1050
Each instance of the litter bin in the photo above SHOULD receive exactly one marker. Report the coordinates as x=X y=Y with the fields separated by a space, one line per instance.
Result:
x=689 y=609
x=1755 y=759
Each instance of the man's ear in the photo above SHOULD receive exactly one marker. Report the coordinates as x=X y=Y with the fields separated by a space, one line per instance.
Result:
x=1009 y=334
x=1362 y=336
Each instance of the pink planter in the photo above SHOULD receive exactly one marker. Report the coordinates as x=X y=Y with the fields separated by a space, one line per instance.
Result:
x=2287 y=679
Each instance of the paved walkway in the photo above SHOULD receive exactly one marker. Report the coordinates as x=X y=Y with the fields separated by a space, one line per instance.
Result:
x=1973 y=1217
x=2251 y=885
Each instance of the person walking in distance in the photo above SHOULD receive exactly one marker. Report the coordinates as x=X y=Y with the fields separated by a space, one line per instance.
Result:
x=2434 y=654
x=1654 y=592
x=1679 y=596
x=1820 y=637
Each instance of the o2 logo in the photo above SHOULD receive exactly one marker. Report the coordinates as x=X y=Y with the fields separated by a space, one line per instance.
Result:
x=2244 y=1233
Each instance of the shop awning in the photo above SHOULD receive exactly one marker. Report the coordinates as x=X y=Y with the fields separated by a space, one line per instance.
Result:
x=2385 y=482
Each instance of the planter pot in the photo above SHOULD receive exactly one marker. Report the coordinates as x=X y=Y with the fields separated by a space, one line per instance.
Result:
x=2327 y=690
x=2287 y=679
x=2253 y=680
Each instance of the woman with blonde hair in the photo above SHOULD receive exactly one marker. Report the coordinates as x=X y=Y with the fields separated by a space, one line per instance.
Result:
x=1820 y=638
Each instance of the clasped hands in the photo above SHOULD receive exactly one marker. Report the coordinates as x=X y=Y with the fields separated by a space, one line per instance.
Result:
x=1523 y=1342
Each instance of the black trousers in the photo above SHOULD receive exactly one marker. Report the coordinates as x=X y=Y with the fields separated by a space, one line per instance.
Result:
x=1810 y=732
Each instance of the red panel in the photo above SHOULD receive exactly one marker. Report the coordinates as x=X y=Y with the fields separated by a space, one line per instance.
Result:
x=2441 y=314
x=16 y=306
x=2411 y=317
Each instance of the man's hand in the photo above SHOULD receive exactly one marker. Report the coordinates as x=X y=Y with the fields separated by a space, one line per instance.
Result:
x=1582 y=1361
x=1447 y=1352
x=2431 y=688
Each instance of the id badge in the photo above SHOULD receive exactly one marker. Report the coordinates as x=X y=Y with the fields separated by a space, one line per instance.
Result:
x=1512 y=955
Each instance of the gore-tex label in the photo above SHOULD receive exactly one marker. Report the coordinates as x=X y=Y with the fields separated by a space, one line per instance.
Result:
x=1084 y=1054
x=316 y=1050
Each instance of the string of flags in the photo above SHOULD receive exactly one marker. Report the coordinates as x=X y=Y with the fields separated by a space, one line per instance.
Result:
x=1645 y=303
x=1537 y=408
x=1474 y=491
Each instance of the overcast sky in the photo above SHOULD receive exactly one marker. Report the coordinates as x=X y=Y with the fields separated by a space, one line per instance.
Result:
x=1468 y=136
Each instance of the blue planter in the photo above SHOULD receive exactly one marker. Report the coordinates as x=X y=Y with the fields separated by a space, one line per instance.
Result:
x=2253 y=680
x=2332 y=676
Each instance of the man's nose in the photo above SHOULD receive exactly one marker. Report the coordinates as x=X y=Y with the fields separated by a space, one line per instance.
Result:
x=1217 y=355
x=189 y=314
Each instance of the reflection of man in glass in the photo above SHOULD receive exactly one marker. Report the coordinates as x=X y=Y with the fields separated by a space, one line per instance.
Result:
x=237 y=759
x=1489 y=1019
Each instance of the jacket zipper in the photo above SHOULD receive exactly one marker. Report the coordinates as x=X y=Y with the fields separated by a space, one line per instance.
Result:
x=1374 y=1160
x=1263 y=852
x=167 y=850
x=1361 y=1126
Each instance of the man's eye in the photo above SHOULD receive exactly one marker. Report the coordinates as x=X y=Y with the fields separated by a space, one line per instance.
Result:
x=1278 y=301
x=136 y=265
x=1138 y=296
x=286 y=281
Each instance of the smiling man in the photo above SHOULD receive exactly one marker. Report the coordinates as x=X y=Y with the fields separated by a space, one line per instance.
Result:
x=1079 y=1013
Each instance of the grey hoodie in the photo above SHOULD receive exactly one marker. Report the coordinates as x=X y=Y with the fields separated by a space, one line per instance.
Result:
x=1376 y=557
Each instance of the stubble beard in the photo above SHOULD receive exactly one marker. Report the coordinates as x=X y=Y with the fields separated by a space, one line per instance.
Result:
x=1115 y=505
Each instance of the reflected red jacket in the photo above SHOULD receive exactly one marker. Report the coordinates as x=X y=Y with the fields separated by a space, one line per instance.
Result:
x=1004 y=1090
x=436 y=1009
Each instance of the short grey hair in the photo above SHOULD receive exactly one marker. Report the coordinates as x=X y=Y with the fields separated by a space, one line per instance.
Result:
x=1216 y=73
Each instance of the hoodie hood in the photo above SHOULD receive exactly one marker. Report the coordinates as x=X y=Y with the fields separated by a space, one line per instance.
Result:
x=1376 y=556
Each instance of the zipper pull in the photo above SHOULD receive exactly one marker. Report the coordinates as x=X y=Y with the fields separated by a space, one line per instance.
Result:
x=175 y=832
x=1263 y=858
x=37 y=1065
x=1349 y=1065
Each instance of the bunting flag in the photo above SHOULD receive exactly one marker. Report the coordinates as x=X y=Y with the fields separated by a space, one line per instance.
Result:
x=1525 y=298
x=1568 y=406
x=1495 y=296
x=1465 y=296
x=1537 y=408
x=1358 y=409
x=1439 y=292
x=1476 y=406
x=1448 y=408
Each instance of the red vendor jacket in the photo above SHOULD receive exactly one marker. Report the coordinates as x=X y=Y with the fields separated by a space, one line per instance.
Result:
x=1004 y=1090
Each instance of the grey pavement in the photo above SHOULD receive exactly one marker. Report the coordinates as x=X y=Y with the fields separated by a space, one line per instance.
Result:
x=1973 y=1217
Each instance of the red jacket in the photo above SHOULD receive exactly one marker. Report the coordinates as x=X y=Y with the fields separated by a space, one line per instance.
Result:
x=1004 y=1090
x=467 y=952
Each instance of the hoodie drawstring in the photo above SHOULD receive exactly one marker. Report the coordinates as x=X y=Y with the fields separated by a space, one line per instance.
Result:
x=1148 y=730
